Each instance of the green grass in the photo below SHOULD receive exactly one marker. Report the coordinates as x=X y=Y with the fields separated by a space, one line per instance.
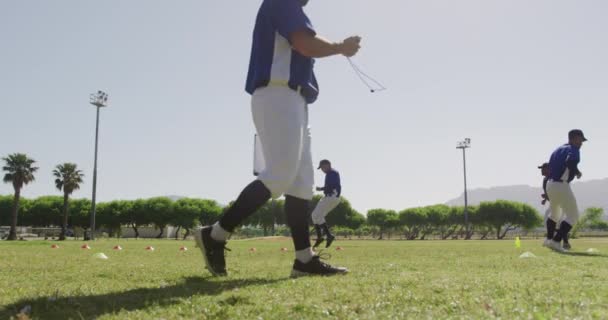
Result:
x=388 y=280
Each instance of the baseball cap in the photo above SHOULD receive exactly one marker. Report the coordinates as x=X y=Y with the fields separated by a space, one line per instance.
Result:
x=324 y=161
x=576 y=133
x=544 y=165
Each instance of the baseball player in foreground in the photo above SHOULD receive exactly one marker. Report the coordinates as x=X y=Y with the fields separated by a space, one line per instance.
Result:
x=282 y=83
x=332 y=191
x=563 y=168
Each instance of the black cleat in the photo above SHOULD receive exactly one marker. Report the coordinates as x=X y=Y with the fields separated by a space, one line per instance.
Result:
x=315 y=267
x=213 y=251
x=318 y=242
x=330 y=240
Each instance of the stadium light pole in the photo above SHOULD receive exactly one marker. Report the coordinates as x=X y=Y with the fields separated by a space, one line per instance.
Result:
x=99 y=100
x=464 y=145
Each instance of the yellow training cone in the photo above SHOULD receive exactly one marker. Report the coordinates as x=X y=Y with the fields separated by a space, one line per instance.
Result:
x=517 y=243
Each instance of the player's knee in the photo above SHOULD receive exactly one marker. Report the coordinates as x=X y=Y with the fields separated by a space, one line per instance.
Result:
x=317 y=218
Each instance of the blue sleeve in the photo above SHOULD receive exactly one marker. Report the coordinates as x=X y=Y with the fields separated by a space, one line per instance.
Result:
x=572 y=160
x=289 y=17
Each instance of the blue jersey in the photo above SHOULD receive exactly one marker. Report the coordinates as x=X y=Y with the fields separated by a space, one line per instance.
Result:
x=564 y=163
x=273 y=61
x=332 y=183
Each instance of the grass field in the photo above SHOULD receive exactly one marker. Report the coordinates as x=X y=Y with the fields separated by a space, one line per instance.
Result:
x=388 y=280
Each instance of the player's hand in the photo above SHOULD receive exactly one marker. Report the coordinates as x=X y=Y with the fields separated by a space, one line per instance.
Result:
x=579 y=175
x=350 y=46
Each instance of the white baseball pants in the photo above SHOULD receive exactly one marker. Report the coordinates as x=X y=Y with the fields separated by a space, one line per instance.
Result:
x=562 y=198
x=325 y=205
x=280 y=115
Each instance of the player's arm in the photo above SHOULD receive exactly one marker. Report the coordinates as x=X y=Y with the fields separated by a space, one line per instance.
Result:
x=314 y=46
x=293 y=24
x=572 y=164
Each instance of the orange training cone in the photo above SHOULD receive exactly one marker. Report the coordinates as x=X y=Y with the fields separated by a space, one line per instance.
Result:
x=283 y=249
x=253 y=250
x=54 y=246
x=150 y=248
x=183 y=249
x=85 y=246
x=339 y=248
x=117 y=248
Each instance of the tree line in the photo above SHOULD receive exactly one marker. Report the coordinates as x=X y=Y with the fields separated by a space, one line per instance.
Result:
x=487 y=219
x=494 y=219
x=159 y=212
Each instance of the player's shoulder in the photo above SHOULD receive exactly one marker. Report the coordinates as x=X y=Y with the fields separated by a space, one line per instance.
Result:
x=563 y=147
x=281 y=3
x=570 y=148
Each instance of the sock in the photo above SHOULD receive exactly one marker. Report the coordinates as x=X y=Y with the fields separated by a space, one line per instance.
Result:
x=564 y=228
x=218 y=233
x=249 y=201
x=296 y=211
x=551 y=225
x=304 y=255
x=326 y=230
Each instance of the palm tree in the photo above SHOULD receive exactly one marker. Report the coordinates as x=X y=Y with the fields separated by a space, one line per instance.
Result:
x=19 y=171
x=68 y=179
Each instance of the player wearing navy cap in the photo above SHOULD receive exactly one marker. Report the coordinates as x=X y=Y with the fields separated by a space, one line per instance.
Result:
x=282 y=83
x=332 y=190
x=563 y=168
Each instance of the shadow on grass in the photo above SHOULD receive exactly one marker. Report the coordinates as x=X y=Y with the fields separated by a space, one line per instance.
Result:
x=91 y=307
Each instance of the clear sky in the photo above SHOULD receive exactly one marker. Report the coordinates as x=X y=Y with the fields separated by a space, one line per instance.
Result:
x=514 y=76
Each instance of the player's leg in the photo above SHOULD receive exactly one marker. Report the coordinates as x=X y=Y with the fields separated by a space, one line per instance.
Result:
x=298 y=196
x=297 y=200
x=329 y=203
x=211 y=240
x=550 y=231
x=555 y=193
x=325 y=205
x=318 y=218
x=277 y=115
x=566 y=242
x=550 y=224
x=571 y=213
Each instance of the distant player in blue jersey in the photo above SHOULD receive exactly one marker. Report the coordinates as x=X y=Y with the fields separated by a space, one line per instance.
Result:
x=282 y=83
x=563 y=168
x=332 y=190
